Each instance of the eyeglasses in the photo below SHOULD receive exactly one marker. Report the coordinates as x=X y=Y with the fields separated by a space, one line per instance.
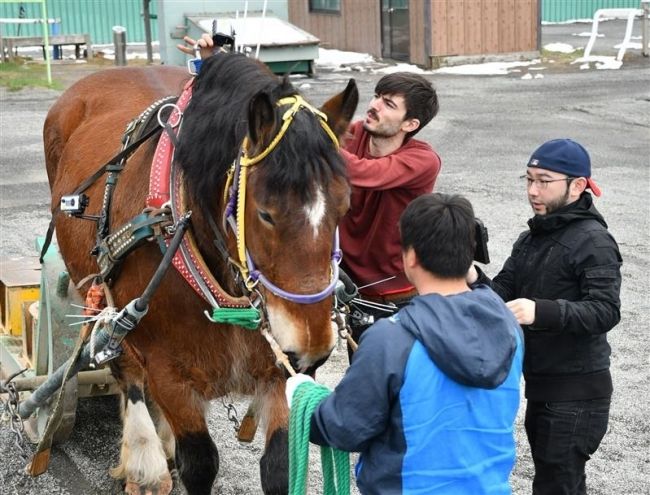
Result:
x=543 y=183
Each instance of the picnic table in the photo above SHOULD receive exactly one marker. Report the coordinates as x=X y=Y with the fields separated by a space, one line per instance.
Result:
x=8 y=44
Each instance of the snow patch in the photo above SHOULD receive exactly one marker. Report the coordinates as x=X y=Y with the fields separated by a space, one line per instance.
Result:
x=559 y=48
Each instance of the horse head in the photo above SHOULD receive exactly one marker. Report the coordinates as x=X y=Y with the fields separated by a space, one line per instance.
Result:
x=297 y=193
x=289 y=191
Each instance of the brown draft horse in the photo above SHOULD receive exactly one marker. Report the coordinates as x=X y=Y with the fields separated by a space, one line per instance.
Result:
x=295 y=197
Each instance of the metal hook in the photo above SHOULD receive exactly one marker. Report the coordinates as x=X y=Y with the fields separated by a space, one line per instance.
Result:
x=175 y=107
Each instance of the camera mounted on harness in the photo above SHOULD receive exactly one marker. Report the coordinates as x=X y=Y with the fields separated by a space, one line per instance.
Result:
x=74 y=204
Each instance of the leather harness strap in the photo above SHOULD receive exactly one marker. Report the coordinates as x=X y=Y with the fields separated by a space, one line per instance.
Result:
x=115 y=161
x=165 y=187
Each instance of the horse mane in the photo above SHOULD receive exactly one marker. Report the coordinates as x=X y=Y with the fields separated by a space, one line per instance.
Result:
x=216 y=122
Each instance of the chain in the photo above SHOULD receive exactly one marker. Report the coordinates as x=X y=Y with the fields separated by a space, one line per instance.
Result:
x=10 y=415
x=340 y=317
x=231 y=413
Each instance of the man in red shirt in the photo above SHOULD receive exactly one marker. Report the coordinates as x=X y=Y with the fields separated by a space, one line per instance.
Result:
x=387 y=169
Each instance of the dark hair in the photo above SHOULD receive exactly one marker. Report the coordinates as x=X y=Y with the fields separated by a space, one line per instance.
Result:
x=441 y=230
x=419 y=95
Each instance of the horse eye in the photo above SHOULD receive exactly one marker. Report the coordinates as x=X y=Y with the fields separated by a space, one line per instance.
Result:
x=264 y=215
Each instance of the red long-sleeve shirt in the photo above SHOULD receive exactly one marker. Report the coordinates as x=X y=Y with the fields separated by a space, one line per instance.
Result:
x=381 y=189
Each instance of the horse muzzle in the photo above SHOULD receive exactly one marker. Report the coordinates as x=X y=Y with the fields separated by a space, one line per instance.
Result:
x=294 y=360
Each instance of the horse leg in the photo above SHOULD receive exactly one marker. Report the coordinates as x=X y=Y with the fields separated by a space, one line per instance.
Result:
x=166 y=436
x=143 y=463
x=196 y=455
x=274 y=464
x=197 y=461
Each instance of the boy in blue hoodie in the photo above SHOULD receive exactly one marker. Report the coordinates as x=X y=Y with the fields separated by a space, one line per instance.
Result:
x=432 y=393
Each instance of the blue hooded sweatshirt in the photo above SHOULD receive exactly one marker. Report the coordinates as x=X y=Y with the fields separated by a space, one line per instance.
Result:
x=431 y=398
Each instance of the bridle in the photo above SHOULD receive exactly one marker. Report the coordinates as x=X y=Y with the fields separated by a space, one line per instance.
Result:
x=234 y=213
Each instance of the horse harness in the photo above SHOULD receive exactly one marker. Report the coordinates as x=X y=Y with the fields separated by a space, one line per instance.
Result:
x=164 y=216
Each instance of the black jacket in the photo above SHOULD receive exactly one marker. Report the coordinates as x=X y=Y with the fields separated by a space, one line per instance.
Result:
x=569 y=264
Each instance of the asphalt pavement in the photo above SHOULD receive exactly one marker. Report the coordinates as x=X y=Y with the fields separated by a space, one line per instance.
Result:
x=485 y=131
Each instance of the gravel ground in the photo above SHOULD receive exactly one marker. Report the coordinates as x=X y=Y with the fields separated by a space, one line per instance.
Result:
x=485 y=131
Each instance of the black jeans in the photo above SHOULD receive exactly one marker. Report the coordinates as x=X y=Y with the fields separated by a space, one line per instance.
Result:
x=562 y=438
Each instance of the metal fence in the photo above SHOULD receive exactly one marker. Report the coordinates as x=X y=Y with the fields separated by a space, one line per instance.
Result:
x=567 y=10
x=95 y=17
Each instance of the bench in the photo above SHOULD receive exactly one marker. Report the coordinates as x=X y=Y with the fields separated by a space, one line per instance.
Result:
x=9 y=43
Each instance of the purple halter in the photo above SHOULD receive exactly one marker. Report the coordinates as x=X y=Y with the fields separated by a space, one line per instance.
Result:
x=256 y=275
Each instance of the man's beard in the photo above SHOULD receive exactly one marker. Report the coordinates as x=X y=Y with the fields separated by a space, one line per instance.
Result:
x=381 y=131
x=558 y=203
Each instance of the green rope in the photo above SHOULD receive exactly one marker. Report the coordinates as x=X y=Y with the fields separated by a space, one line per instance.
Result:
x=335 y=463
x=248 y=318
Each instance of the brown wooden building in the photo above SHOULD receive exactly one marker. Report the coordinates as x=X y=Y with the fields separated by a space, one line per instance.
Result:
x=422 y=32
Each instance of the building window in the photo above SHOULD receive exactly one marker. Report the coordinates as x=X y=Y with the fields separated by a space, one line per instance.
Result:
x=329 y=6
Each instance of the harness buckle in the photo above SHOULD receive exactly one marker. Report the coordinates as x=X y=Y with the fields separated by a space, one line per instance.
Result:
x=171 y=229
x=174 y=106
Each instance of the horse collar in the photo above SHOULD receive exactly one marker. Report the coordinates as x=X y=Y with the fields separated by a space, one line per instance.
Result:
x=165 y=188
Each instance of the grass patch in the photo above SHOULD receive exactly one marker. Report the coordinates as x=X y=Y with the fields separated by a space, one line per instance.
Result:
x=562 y=57
x=18 y=75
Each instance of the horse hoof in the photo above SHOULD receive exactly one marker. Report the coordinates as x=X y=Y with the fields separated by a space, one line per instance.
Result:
x=164 y=487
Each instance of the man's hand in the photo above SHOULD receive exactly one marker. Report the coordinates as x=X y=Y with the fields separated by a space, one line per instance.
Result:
x=205 y=45
x=523 y=309
x=472 y=275
x=292 y=385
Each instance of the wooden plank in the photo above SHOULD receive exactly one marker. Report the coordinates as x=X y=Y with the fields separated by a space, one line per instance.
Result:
x=507 y=26
x=456 y=27
x=439 y=45
x=328 y=28
x=473 y=27
x=57 y=39
x=490 y=26
x=526 y=27
x=362 y=26
x=417 y=44
x=17 y=272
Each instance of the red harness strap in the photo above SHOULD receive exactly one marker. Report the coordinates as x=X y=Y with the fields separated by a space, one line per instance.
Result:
x=187 y=260
x=161 y=166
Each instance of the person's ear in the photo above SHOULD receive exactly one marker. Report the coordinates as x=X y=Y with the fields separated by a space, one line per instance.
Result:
x=410 y=125
x=409 y=258
x=578 y=186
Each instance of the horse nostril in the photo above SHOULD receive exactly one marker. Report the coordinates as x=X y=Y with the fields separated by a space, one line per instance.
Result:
x=293 y=360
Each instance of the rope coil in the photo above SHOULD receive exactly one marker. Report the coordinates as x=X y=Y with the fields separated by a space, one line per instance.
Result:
x=335 y=463
x=249 y=318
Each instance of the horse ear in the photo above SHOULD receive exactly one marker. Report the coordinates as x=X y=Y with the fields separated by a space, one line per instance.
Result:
x=261 y=118
x=340 y=108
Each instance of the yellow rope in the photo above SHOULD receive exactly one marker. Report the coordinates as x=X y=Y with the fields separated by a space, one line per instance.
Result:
x=241 y=241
